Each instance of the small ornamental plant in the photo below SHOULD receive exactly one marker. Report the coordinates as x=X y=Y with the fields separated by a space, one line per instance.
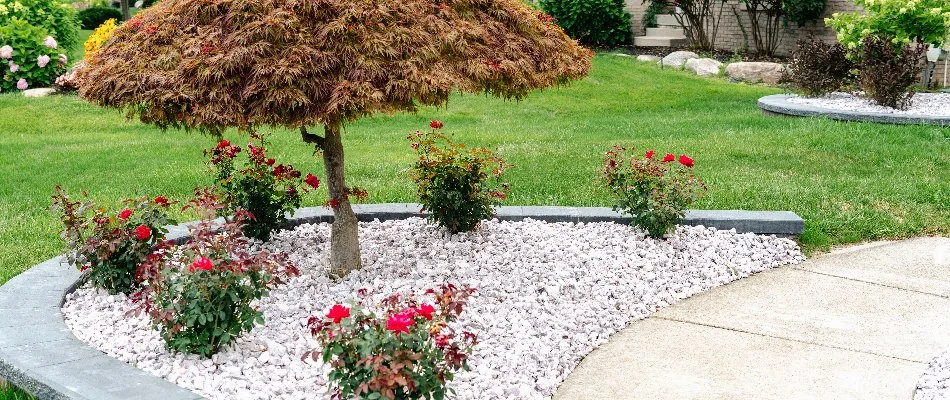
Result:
x=29 y=57
x=199 y=294
x=902 y=22
x=408 y=350
x=263 y=188
x=457 y=185
x=100 y=35
x=817 y=68
x=888 y=74
x=655 y=191
x=110 y=245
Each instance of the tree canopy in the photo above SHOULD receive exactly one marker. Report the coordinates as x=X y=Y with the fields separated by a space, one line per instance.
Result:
x=213 y=64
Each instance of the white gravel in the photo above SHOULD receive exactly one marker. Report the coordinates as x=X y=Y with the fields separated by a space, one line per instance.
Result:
x=935 y=383
x=930 y=104
x=548 y=294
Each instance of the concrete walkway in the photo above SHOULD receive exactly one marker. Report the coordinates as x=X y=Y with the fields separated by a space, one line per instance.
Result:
x=857 y=323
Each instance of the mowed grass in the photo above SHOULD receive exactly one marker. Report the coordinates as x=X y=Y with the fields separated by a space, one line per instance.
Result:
x=10 y=392
x=851 y=182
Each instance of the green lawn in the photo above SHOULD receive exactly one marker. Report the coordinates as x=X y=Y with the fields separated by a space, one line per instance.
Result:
x=850 y=181
x=79 y=51
x=9 y=392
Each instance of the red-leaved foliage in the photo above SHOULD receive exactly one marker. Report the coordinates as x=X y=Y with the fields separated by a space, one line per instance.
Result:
x=211 y=64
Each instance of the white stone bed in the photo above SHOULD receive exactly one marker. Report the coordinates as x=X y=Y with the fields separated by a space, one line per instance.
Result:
x=548 y=294
x=929 y=104
x=935 y=383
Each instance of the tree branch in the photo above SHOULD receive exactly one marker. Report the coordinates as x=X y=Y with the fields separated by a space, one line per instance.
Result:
x=308 y=137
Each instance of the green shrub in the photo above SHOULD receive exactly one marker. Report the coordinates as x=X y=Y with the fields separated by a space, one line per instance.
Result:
x=903 y=21
x=55 y=18
x=888 y=75
x=198 y=295
x=817 y=68
x=592 y=22
x=803 y=11
x=263 y=188
x=655 y=192
x=453 y=182
x=29 y=58
x=111 y=245
x=92 y=17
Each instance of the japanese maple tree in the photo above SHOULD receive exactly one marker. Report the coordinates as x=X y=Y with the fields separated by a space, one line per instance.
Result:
x=210 y=65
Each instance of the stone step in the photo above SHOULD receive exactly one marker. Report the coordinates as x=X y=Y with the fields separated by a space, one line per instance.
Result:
x=668 y=20
x=659 y=41
x=666 y=32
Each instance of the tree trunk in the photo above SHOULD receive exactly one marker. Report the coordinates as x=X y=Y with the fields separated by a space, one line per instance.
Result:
x=344 y=239
x=124 y=6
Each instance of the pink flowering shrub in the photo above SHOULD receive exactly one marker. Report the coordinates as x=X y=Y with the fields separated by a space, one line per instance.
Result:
x=457 y=185
x=199 y=294
x=110 y=245
x=29 y=58
x=656 y=192
x=407 y=351
x=263 y=188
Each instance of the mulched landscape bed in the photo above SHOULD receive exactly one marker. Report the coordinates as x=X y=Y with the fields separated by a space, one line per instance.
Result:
x=547 y=295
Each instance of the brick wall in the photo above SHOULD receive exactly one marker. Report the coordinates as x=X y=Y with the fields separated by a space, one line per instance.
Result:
x=730 y=36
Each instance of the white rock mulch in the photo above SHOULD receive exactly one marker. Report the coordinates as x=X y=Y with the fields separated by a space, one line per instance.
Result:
x=929 y=104
x=548 y=294
x=935 y=383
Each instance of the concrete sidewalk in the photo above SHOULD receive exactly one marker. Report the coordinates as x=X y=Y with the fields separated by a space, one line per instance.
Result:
x=857 y=323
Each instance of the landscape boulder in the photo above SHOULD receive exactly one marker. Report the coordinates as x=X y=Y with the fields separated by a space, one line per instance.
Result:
x=678 y=58
x=39 y=92
x=755 y=72
x=704 y=66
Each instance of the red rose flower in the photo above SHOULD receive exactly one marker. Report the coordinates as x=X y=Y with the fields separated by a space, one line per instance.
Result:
x=338 y=312
x=669 y=157
x=425 y=310
x=125 y=214
x=685 y=160
x=143 y=232
x=313 y=181
x=650 y=154
x=436 y=124
x=399 y=323
x=162 y=201
x=270 y=161
x=224 y=143
x=202 y=263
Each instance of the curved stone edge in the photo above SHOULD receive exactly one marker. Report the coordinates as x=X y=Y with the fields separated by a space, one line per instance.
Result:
x=778 y=104
x=39 y=353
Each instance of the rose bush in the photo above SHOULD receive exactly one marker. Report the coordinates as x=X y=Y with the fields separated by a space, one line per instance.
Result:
x=457 y=185
x=111 y=245
x=29 y=56
x=199 y=294
x=263 y=188
x=409 y=350
x=655 y=192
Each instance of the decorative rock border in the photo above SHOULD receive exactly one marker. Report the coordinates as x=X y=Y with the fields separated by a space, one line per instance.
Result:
x=39 y=354
x=778 y=104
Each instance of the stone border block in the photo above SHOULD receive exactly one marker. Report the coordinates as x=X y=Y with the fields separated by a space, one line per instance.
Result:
x=778 y=104
x=39 y=353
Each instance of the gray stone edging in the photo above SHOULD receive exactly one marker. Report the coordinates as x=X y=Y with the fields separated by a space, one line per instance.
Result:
x=779 y=104
x=39 y=353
